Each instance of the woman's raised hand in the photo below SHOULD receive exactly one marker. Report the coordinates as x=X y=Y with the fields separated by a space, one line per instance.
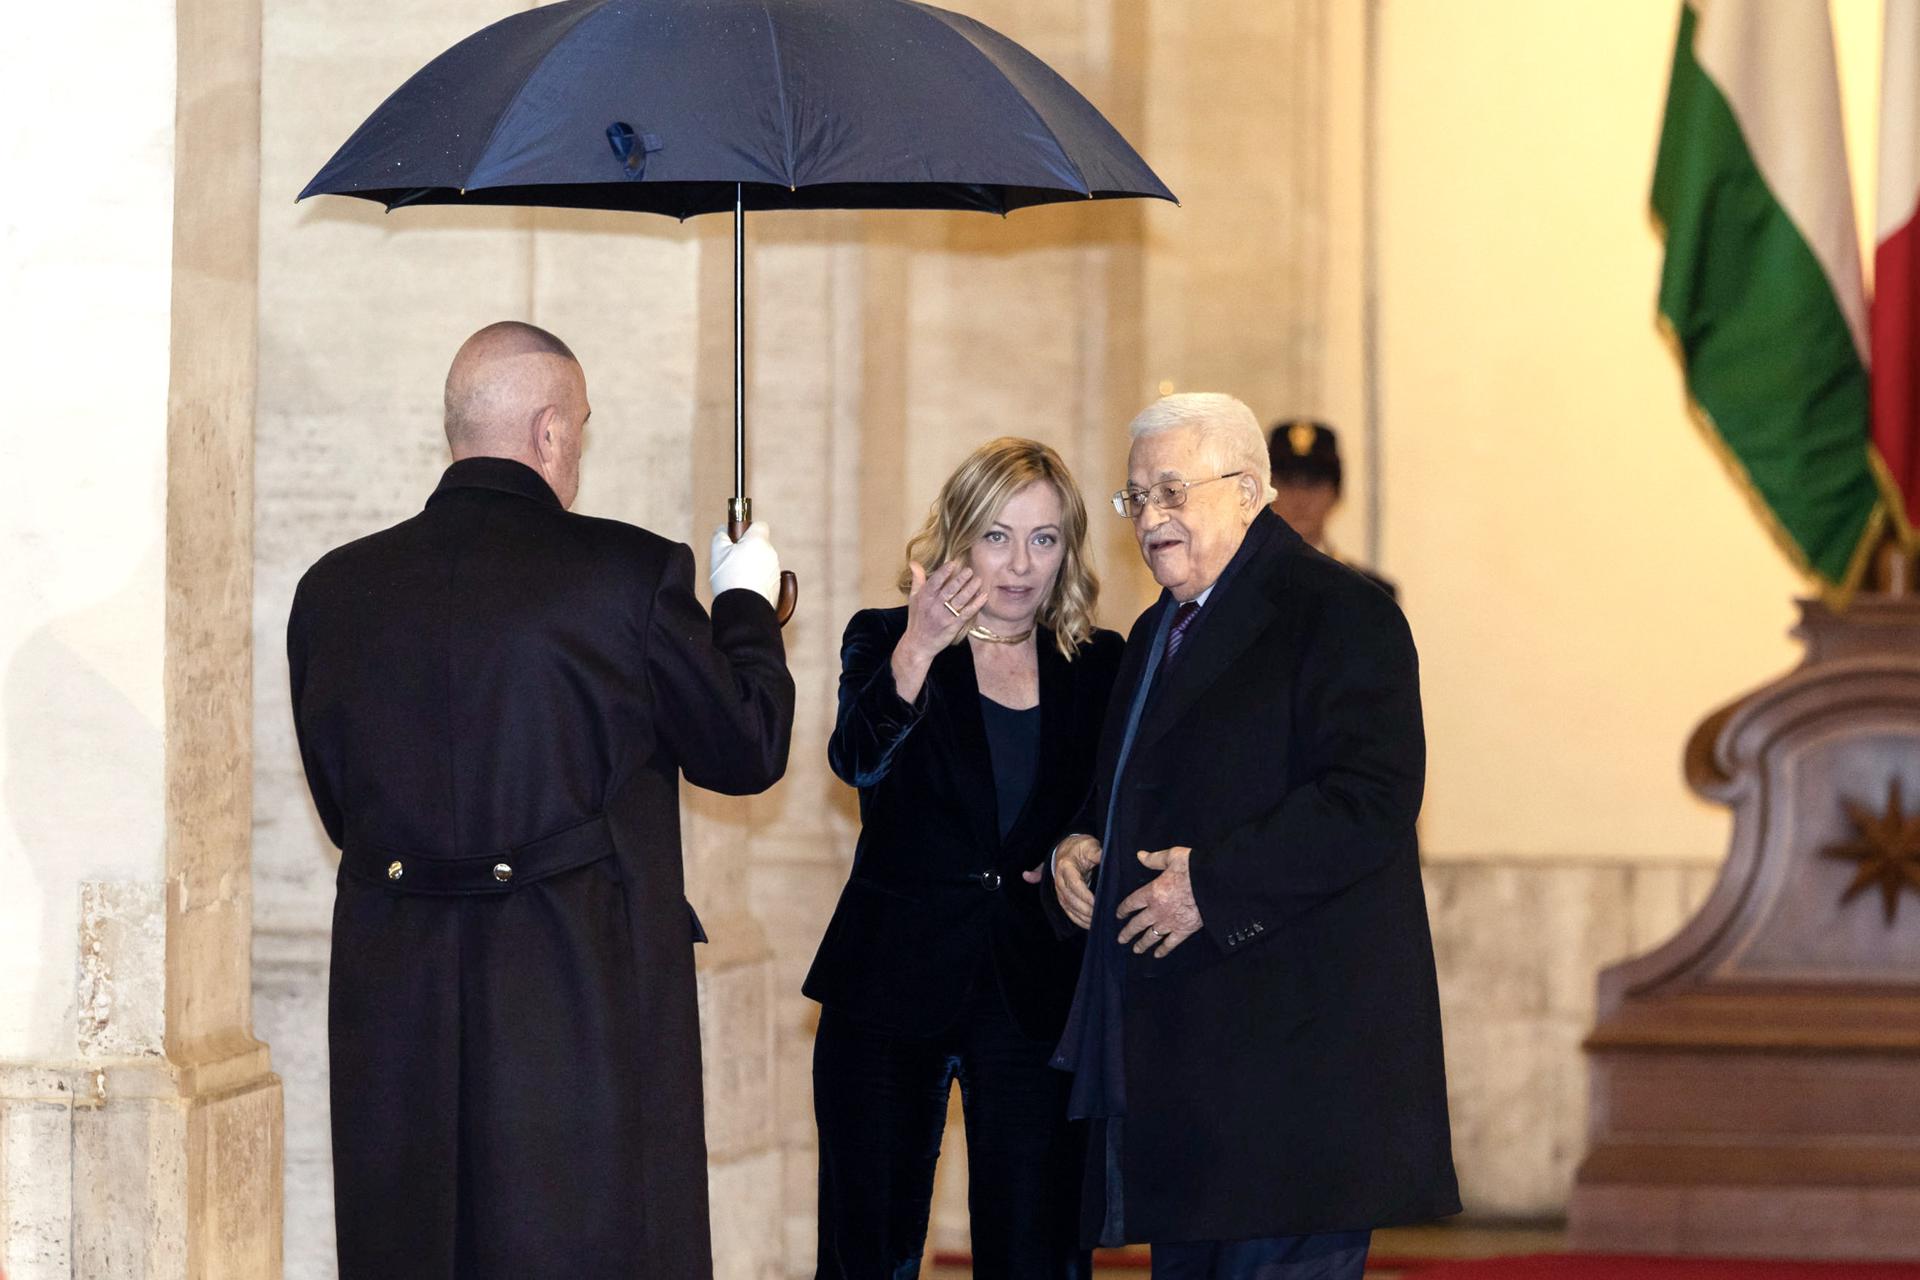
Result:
x=940 y=606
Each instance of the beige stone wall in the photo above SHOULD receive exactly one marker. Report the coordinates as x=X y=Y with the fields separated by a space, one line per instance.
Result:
x=139 y=1120
x=1583 y=576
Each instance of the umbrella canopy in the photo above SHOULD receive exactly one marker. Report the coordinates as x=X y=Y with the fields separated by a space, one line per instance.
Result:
x=684 y=107
x=680 y=106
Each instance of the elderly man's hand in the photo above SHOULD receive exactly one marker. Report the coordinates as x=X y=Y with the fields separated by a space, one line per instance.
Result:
x=1073 y=861
x=1163 y=910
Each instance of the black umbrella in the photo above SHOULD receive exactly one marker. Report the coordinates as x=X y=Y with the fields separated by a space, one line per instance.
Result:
x=684 y=107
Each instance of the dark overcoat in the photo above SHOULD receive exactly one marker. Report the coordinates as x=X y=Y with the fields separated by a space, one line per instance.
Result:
x=1283 y=1070
x=495 y=702
x=936 y=897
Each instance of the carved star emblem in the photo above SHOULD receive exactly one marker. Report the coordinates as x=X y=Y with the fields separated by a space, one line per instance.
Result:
x=1887 y=847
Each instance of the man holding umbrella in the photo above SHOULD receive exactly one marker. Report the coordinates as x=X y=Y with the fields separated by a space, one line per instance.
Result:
x=495 y=701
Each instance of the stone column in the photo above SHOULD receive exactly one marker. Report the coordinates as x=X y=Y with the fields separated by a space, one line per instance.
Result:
x=139 y=1119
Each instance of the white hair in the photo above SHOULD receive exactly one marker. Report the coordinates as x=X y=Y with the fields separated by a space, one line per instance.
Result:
x=1227 y=428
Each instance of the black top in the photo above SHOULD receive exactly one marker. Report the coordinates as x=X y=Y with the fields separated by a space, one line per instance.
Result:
x=1013 y=741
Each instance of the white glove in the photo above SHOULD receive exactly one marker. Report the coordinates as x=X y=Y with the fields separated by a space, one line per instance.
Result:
x=750 y=564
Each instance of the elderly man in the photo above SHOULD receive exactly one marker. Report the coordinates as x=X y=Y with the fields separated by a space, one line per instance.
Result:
x=495 y=702
x=1256 y=1032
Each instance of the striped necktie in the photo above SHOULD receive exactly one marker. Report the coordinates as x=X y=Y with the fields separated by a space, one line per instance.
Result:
x=1182 y=619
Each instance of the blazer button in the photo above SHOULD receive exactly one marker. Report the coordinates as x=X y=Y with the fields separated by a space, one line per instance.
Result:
x=989 y=880
x=502 y=872
x=395 y=870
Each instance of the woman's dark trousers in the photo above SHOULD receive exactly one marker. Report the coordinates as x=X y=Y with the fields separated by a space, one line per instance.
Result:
x=881 y=1104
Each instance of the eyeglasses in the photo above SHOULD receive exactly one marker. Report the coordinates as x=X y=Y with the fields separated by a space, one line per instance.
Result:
x=1165 y=495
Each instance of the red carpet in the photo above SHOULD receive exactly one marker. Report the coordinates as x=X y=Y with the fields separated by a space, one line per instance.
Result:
x=1551 y=1266
x=1600 y=1267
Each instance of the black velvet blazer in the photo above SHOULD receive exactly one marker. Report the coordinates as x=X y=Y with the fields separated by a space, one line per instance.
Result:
x=936 y=898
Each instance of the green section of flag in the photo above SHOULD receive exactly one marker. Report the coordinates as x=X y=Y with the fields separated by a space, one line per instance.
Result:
x=1769 y=358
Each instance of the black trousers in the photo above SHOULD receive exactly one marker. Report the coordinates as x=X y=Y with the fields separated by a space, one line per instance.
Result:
x=1338 y=1255
x=880 y=1101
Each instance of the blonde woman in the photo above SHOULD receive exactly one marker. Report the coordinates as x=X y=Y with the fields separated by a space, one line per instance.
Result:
x=968 y=721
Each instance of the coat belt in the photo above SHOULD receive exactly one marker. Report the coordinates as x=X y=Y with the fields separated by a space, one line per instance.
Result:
x=487 y=873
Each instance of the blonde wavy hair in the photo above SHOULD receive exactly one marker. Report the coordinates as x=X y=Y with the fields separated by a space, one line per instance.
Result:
x=972 y=499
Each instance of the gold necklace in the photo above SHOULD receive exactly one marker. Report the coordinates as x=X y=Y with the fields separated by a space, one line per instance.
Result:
x=994 y=637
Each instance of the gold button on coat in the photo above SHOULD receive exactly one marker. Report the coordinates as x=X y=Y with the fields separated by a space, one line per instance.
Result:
x=502 y=872
x=395 y=870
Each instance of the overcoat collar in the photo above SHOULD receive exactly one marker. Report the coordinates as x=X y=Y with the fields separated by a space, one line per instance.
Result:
x=503 y=474
x=958 y=686
x=1242 y=606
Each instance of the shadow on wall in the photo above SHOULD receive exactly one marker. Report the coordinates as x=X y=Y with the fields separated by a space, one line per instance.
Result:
x=84 y=775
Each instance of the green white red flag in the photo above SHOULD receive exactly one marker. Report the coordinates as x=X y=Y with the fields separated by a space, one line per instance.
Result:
x=1896 y=269
x=1762 y=284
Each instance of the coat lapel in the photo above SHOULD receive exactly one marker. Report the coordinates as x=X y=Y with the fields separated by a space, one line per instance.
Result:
x=1233 y=618
x=954 y=680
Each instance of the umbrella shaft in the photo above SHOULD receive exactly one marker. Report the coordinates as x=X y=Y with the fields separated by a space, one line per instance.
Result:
x=739 y=344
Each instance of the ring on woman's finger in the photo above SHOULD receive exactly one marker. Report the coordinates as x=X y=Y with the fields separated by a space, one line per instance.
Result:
x=950 y=609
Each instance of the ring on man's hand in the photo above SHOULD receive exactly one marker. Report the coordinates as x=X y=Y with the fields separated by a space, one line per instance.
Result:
x=950 y=609
x=1155 y=932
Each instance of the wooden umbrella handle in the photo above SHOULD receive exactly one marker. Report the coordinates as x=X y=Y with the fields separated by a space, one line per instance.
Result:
x=789 y=580
x=789 y=596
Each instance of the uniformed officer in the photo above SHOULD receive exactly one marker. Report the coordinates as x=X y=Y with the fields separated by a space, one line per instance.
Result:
x=495 y=702
x=1306 y=478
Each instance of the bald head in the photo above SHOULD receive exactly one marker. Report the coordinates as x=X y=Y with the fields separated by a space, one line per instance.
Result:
x=516 y=391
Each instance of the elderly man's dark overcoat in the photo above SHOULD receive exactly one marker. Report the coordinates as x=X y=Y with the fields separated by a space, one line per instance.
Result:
x=495 y=702
x=1282 y=1068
